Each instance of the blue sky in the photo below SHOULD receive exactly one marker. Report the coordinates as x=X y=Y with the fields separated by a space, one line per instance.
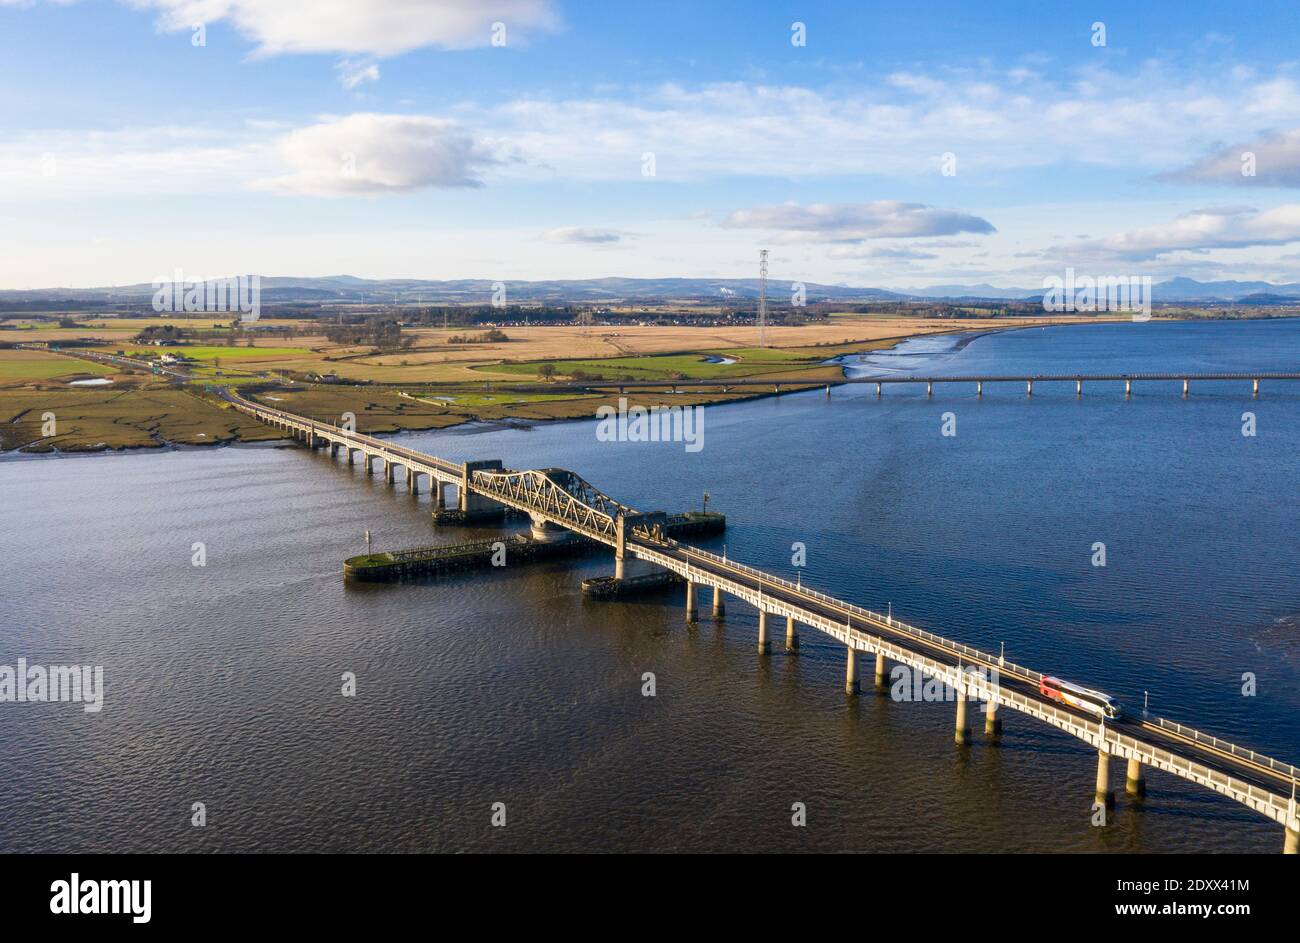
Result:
x=902 y=145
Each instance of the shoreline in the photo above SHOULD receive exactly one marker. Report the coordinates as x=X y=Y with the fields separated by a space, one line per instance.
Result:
x=474 y=425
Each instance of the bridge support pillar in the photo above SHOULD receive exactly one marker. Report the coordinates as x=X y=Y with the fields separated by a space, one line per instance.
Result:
x=828 y=391
x=1292 y=844
x=878 y=390
x=352 y=456
x=334 y=449
x=851 y=672
x=439 y=495
x=412 y=481
x=764 y=646
x=719 y=607
x=791 y=635
x=476 y=506
x=370 y=463
x=1185 y=385
x=962 y=733
x=929 y=387
x=1103 y=796
x=1029 y=387
x=692 y=614
x=1078 y=388
x=1128 y=388
x=1254 y=388
x=979 y=387
x=1135 y=783
x=992 y=722
x=388 y=472
x=882 y=678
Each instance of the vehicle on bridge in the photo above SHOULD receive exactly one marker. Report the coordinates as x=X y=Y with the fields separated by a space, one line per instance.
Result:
x=1084 y=699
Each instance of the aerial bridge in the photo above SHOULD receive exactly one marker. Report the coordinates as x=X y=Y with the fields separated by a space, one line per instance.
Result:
x=558 y=500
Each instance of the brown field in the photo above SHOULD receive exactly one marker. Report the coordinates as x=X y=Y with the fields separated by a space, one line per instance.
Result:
x=142 y=410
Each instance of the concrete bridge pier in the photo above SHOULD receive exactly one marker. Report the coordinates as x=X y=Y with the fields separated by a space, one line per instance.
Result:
x=882 y=678
x=791 y=635
x=1078 y=388
x=334 y=449
x=1029 y=387
x=1185 y=385
x=439 y=495
x=352 y=455
x=979 y=387
x=1135 y=783
x=1103 y=795
x=476 y=505
x=692 y=614
x=719 y=607
x=878 y=386
x=929 y=387
x=828 y=391
x=388 y=472
x=962 y=733
x=1254 y=388
x=992 y=722
x=1292 y=843
x=412 y=481
x=370 y=463
x=764 y=646
x=851 y=672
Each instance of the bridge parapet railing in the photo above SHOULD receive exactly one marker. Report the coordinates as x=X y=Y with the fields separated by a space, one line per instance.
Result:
x=1279 y=804
x=381 y=445
x=889 y=620
x=1286 y=769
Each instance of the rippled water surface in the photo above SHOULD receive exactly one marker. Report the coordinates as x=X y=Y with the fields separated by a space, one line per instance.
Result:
x=222 y=682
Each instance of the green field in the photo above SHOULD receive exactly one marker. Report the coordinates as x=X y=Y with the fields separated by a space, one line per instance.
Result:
x=212 y=352
x=752 y=360
x=45 y=367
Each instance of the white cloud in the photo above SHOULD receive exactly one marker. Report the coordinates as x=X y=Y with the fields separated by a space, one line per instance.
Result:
x=362 y=27
x=1276 y=159
x=578 y=235
x=853 y=222
x=375 y=153
x=353 y=73
x=1198 y=231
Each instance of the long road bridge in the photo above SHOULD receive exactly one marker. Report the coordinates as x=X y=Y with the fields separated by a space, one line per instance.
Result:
x=1027 y=380
x=557 y=498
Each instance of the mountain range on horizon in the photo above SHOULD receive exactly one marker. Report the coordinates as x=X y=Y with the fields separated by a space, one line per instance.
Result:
x=350 y=289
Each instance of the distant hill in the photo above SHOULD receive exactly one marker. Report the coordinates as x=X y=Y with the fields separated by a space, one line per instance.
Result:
x=1172 y=290
x=350 y=289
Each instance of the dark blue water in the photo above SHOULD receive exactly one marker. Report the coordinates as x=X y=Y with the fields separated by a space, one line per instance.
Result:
x=223 y=681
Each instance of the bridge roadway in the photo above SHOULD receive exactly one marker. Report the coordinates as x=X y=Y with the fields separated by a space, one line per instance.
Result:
x=561 y=498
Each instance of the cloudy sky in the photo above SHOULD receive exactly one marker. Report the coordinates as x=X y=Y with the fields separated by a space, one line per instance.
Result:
x=866 y=143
